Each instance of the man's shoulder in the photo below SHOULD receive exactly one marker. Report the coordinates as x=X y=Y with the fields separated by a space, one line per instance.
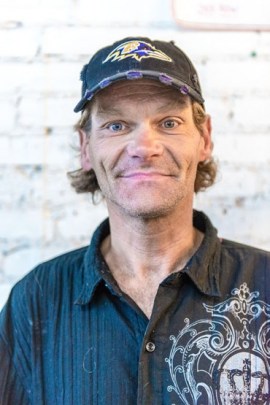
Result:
x=59 y=272
x=231 y=244
x=71 y=258
x=66 y=262
x=245 y=252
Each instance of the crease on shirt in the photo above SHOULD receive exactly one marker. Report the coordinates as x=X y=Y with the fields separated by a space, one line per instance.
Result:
x=38 y=283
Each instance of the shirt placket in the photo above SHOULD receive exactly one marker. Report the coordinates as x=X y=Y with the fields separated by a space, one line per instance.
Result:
x=151 y=362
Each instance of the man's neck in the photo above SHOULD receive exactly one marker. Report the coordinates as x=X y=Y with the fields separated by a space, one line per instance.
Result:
x=155 y=247
x=141 y=254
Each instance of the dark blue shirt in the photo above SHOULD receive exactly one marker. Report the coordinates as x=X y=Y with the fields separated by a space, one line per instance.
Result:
x=70 y=336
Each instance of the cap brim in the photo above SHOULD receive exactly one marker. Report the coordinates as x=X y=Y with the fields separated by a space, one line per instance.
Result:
x=80 y=106
x=175 y=82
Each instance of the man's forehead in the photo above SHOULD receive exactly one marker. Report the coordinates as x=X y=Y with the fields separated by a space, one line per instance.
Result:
x=143 y=89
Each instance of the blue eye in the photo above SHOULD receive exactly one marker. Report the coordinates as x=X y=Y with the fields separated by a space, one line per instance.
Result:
x=116 y=126
x=170 y=124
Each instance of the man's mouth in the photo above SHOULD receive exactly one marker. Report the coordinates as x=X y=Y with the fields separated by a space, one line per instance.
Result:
x=143 y=175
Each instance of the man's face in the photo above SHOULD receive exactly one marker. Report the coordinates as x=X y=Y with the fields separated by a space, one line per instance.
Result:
x=144 y=148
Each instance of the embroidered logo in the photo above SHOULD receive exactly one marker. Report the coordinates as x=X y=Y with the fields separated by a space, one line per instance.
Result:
x=137 y=50
x=221 y=360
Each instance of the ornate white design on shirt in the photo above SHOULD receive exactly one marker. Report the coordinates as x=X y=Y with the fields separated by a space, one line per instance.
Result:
x=223 y=360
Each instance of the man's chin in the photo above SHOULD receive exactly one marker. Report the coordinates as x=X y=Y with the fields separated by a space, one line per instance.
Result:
x=148 y=211
x=149 y=204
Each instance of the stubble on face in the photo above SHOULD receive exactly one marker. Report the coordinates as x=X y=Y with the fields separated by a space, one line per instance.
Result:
x=151 y=199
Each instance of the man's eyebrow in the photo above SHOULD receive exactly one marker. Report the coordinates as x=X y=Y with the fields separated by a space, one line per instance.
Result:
x=173 y=104
x=107 y=110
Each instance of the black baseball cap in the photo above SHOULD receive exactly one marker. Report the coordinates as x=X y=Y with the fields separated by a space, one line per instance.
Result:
x=137 y=58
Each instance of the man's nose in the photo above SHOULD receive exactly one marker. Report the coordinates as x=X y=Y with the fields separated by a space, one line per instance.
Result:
x=145 y=142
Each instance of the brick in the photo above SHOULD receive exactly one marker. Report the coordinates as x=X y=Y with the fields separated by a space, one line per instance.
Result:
x=33 y=112
x=8 y=116
x=246 y=115
x=251 y=114
x=247 y=77
x=4 y=149
x=47 y=111
x=217 y=45
x=28 y=186
x=28 y=224
x=34 y=13
x=238 y=180
x=243 y=149
x=58 y=193
x=36 y=78
x=18 y=78
x=47 y=191
x=19 y=43
x=221 y=110
x=60 y=112
x=36 y=150
x=58 y=77
x=70 y=43
x=12 y=75
x=245 y=223
x=21 y=186
x=79 y=221
x=148 y=12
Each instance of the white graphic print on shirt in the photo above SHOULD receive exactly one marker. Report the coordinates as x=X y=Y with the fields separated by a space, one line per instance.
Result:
x=224 y=360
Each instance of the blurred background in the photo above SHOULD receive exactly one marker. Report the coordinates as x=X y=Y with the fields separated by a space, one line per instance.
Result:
x=43 y=45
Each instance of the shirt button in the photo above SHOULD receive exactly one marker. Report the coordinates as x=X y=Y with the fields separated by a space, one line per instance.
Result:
x=150 y=347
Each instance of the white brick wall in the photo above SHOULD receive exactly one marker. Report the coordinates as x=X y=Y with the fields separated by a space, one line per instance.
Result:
x=44 y=44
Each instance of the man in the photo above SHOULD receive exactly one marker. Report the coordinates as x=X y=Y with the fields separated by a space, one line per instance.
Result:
x=157 y=310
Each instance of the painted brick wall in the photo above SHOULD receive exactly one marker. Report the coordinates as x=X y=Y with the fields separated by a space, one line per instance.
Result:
x=44 y=44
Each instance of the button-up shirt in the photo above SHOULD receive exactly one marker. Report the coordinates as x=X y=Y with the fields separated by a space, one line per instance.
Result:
x=70 y=336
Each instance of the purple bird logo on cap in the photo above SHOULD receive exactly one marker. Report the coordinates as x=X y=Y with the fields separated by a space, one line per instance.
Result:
x=137 y=50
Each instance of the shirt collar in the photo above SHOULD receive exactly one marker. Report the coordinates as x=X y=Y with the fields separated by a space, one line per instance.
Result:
x=202 y=269
x=94 y=266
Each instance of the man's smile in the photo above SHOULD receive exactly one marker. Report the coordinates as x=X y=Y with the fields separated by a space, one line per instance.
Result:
x=144 y=175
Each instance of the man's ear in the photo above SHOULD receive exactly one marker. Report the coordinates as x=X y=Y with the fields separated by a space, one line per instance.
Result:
x=208 y=145
x=84 y=148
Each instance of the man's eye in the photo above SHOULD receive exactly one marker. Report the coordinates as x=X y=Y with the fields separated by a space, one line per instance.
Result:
x=116 y=126
x=170 y=124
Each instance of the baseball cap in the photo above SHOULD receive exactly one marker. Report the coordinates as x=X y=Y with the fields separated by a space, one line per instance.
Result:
x=137 y=58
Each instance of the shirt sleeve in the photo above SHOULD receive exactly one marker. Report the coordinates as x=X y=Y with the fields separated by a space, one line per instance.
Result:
x=15 y=354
